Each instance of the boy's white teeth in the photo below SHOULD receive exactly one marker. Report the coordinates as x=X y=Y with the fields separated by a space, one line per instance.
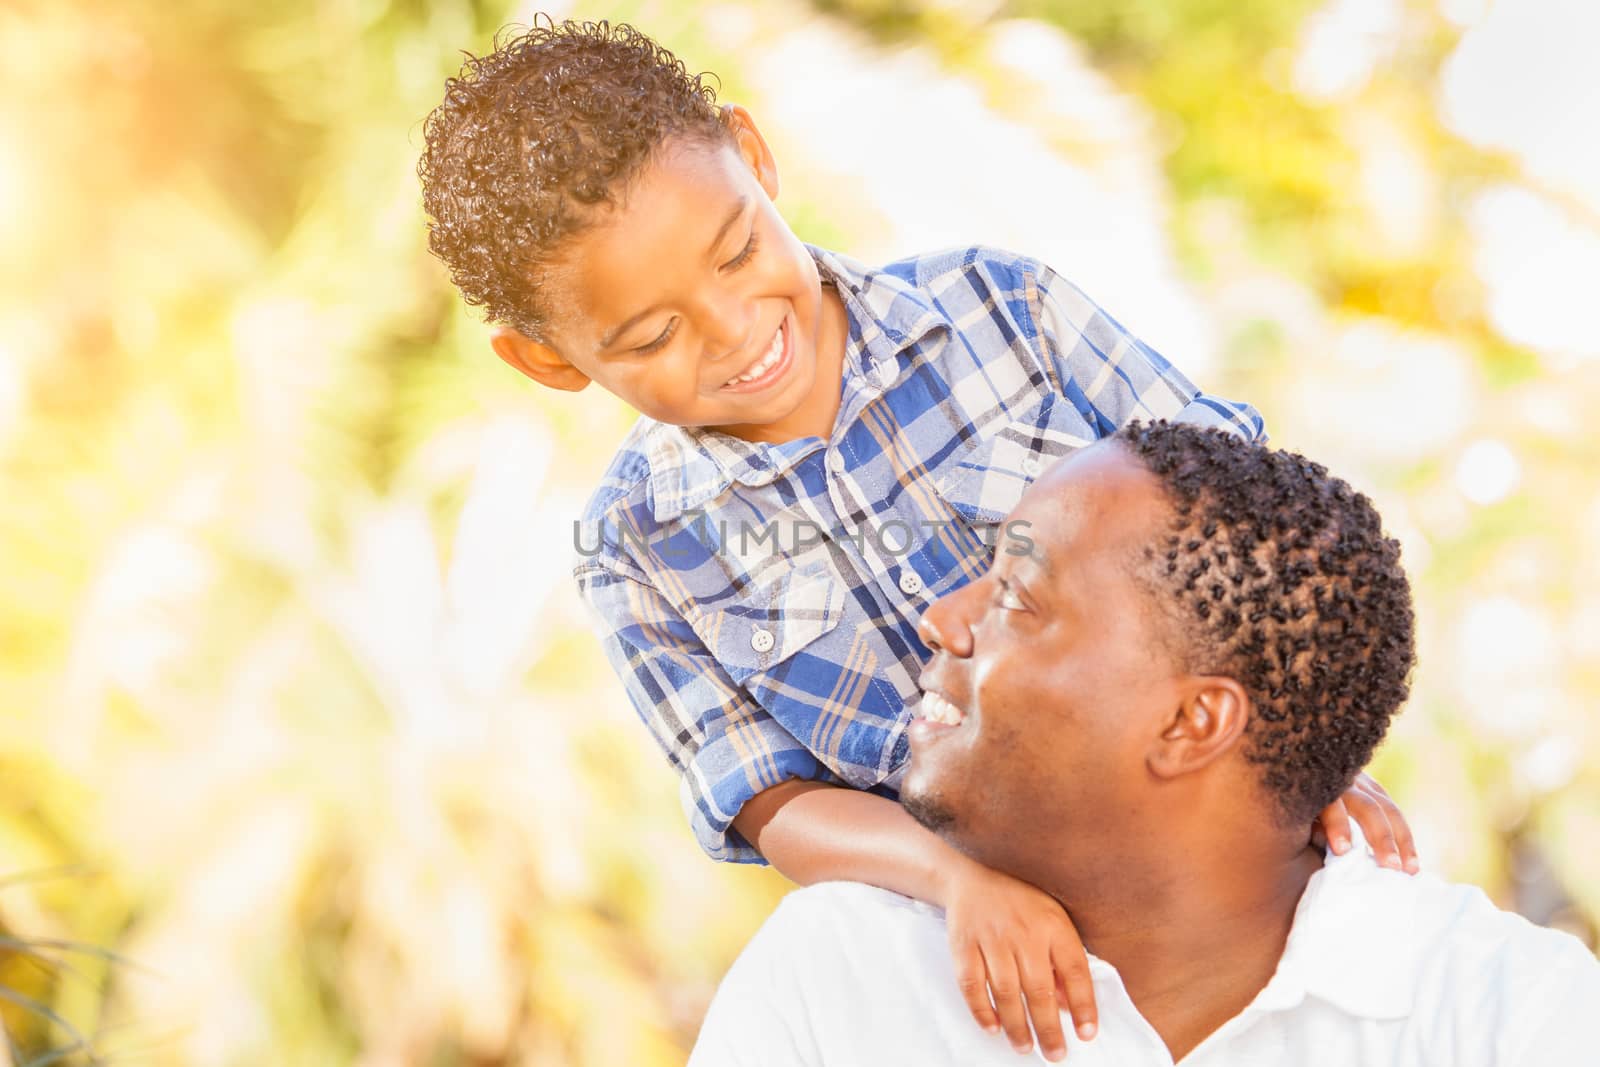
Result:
x=767 y=362
x=936 y=708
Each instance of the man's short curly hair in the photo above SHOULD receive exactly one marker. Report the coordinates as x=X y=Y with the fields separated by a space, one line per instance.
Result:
x=529 y=138
x=1277 y=574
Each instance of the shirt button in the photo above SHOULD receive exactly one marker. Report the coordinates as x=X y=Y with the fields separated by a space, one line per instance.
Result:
x=1030 y=466
x=836 y=461
x=885 y=373
x=761 y=640
x=910 y=582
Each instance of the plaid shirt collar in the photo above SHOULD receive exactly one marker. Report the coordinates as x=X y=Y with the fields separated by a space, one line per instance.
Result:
x=887 y=315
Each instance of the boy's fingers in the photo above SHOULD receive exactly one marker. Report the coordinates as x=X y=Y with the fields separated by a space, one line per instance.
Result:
x=1006 y=989
x=1335 y=822
x=1039 y=989
x=1072 y=974
x=973 y=980
x=1405 y=843
x=1375 y=827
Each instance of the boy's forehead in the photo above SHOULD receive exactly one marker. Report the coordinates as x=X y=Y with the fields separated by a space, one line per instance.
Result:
x=664 y=221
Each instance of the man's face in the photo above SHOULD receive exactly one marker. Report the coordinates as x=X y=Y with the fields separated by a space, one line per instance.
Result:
x=1054 y=665
x=691 y=282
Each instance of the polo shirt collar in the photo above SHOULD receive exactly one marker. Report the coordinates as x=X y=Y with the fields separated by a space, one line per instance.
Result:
x=1350 y=944
x=692 y=465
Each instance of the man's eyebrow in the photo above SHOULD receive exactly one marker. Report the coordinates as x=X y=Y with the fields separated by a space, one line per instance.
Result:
x=611 y=335
x=1036 y=556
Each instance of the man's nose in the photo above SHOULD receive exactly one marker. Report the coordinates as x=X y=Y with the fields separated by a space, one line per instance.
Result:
x=944 y=627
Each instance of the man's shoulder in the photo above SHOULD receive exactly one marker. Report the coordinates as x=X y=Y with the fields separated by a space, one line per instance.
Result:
x=1459 y=932
x=1444 y=922
x=832 y=977
x=1442 y=952
x=845 y=905
x=830 y=919
x=1489 y=980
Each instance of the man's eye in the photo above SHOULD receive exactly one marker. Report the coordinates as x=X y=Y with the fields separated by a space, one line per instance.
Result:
x=1008 y=598
x=659 y=342
x=743 y=257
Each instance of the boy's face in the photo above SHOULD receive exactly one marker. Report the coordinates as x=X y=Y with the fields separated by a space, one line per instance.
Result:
x=693 y=301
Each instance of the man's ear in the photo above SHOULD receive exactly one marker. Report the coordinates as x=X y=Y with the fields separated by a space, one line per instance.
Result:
x=535 y=359
x=752 y=147
x=1207 y=723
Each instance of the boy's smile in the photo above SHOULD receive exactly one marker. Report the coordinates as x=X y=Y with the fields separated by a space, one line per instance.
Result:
x=692 y=300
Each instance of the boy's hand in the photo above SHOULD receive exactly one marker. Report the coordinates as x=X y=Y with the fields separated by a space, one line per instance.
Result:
x=1015 y=942
x=1381 y=824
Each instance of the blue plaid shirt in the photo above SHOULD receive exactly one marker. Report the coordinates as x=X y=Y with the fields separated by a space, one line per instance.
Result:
x=760 y=601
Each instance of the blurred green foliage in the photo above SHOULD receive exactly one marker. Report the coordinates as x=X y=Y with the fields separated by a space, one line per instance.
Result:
x=349 y=800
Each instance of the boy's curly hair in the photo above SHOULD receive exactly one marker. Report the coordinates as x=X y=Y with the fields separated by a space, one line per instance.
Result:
x=1277 y=574
x=531 y=136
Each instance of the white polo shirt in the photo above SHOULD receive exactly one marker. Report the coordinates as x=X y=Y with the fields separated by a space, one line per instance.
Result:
x=1381 y=968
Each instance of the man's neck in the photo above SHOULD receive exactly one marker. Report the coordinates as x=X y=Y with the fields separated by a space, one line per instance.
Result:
x=1194 y=942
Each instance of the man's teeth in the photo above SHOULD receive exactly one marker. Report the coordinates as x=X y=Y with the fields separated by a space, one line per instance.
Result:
x=768 y=361
x=936 y=708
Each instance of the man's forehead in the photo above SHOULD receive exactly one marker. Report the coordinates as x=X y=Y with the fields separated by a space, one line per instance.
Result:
x=1096 y=500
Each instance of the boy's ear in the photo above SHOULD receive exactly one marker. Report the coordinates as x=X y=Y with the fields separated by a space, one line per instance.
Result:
x=752 y=147
x=1207 y=723
x=537 y=360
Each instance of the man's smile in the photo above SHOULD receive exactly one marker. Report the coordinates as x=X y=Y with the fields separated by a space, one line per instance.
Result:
x=937 y=708
x=936 y=716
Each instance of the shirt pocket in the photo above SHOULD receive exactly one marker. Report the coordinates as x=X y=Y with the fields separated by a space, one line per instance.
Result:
x=984 y=483
x=755 y=640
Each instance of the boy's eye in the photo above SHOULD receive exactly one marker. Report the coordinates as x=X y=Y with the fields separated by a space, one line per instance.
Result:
x=743 y=257
x=659 y=342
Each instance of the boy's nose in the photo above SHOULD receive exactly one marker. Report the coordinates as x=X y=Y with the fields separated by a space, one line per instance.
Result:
x=727 y=329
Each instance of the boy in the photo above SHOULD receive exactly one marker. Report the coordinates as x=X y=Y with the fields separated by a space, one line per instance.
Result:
x=824 y=450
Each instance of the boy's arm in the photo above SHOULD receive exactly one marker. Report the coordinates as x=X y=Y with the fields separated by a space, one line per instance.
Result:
x=745 y=777
x=813 y=832
x=1111 y=375
x=1009 y=939
x=724 y=745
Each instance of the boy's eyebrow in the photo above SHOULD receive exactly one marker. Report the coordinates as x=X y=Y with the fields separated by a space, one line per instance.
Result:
x=733 y=217
x=611 y=336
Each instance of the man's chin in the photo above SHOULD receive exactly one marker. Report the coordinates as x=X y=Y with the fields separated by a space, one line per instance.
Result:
x=928 y=810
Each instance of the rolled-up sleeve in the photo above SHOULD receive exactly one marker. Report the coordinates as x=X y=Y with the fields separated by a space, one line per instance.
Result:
x=1111 y=375
x=726 y=746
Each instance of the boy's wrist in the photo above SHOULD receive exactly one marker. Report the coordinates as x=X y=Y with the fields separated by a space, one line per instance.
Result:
x=951 y=870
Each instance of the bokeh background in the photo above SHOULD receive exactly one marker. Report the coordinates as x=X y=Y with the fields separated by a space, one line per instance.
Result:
x=308 y=756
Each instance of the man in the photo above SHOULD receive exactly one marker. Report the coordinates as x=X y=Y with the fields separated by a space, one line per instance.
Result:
x=1196 y=646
